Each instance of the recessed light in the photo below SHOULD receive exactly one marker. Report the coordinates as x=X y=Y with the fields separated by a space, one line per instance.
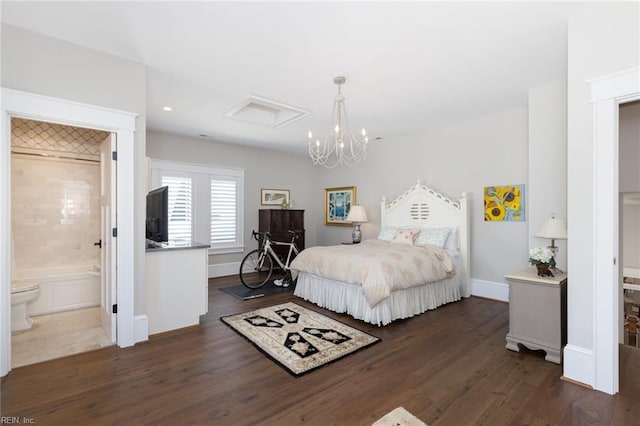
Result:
x=167 y=108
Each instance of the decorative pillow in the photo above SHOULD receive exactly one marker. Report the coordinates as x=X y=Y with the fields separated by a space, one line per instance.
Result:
x=433 y=236
x=452 y=241
x=387 y=233
x=405 y=236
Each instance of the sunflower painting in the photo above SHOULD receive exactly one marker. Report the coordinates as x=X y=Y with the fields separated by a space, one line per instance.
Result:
x=504 y=203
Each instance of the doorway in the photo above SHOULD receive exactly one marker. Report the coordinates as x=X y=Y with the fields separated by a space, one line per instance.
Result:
x=31 y=106
x=607 y=94
x=629 y=223
x=57 y=183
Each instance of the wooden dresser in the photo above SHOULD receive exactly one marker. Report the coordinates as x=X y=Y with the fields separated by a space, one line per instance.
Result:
x=278 y=222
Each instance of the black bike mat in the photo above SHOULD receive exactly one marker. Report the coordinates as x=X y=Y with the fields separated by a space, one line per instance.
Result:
x=243 y=293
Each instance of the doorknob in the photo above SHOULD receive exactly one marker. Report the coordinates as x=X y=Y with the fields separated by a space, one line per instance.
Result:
x=99 y=244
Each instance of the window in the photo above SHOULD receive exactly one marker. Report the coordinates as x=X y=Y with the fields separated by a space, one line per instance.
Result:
x=223 y=211
x=205 y=203
x=179 y=206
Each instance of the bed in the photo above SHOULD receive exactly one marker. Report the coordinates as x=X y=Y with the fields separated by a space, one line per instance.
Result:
x=420 y=208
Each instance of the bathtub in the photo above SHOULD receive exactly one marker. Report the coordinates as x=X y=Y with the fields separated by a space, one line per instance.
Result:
x=631 y=280
x=63 y=289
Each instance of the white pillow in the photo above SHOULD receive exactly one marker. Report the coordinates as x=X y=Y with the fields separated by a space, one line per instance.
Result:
x=387 y=233
x=433 y=236
x=405 y=236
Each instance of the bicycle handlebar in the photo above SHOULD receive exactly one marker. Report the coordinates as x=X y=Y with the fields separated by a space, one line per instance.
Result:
x=295 y=232
x=256 y=235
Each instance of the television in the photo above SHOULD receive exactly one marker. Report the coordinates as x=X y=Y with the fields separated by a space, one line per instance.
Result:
x=158 y=214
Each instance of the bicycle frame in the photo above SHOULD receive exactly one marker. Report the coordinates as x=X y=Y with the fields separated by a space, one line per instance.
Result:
x=268 y=249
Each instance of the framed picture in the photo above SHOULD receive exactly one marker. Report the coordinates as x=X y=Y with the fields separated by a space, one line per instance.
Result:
x=504 y=203
x=274 y=197
x=337 y=203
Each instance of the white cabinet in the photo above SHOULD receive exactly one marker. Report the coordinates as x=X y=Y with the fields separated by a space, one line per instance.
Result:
x=177 y=287
x=538 y=312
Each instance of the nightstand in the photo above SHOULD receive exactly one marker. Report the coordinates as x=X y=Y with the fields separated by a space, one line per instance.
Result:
x=538 y=312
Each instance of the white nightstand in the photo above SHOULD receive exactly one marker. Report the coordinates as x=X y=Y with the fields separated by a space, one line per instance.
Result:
x=538 y=312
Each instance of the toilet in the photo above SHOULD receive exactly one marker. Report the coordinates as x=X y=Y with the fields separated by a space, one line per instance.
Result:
x=22 y=293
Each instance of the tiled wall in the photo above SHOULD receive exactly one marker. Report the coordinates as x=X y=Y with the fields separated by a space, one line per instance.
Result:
x=55 y=210
x=30 y=136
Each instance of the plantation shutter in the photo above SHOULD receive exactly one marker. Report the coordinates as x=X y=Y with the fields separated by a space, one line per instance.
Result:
x=180 y=206
x=224 y=212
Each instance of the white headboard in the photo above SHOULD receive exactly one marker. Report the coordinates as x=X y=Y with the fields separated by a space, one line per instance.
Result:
x=421 y=206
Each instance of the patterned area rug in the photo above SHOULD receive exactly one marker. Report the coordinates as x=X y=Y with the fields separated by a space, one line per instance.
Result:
x=298 y=338
x=399 y=417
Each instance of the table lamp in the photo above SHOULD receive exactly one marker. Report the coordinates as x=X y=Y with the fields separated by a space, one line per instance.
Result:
x=554 y=229
x=357 y=216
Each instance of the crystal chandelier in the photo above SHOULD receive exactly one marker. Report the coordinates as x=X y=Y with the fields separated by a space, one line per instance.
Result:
x=339 y=146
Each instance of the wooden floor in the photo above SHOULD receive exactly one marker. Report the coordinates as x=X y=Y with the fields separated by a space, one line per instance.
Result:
x=447 y=367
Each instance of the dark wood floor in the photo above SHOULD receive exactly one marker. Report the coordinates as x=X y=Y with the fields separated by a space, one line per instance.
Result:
x=447 y=367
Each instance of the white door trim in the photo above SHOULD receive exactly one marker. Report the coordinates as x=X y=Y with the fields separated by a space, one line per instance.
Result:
x=15 y=103
x=607 y=93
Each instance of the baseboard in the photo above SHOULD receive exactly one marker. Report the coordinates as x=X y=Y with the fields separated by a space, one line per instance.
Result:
x=223 y=269
x=579 y=365
x=490 y=290
x=140 y=328
x=575 y=382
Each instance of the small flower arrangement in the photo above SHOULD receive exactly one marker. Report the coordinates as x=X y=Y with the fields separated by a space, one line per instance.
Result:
x=543 y=259
x=542 y=256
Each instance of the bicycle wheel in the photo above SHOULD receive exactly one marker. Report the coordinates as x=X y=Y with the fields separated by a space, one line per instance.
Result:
x=256 y=269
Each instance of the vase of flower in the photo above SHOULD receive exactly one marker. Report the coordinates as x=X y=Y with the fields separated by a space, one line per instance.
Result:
x=543 y=259
x=543 y=270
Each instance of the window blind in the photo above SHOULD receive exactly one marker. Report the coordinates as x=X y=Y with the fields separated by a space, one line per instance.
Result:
x=223 y=211
x=180 y=206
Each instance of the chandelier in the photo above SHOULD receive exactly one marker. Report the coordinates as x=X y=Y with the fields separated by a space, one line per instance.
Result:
x=339 y=147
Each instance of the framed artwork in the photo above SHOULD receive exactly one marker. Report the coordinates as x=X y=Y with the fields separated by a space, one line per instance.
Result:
x=274 y=197
x=337 y=203
x=504 y=203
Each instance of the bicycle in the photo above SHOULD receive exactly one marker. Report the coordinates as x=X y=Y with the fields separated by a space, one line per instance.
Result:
x=257 y=266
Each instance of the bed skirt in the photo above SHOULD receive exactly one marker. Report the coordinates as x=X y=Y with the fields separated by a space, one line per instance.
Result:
x=348 y=298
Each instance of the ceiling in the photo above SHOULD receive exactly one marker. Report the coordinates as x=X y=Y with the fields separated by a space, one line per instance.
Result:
x=410 y=66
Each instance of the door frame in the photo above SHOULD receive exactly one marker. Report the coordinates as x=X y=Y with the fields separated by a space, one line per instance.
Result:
x=607 y=94
x=14 y=103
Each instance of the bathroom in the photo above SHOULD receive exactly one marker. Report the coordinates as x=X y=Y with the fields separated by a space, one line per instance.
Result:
x=55 y=245
x=629 y=184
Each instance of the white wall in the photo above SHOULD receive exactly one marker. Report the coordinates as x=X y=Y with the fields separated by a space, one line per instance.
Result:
x=490 y=150
x=263 y=169
x=602 y=39
x=38 y=64
x=547 y=192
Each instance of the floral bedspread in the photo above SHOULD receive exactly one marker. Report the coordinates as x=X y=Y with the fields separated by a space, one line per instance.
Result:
x=380 y=266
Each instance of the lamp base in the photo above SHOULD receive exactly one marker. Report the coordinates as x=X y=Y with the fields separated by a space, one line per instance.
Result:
x=356 y=235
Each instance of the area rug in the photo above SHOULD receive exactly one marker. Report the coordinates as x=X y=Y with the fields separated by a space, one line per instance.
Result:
x=297 y=338
x=398 y=417
x=243 y=293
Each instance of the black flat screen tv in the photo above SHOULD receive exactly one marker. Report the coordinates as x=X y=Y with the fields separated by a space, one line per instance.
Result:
x=158 y=214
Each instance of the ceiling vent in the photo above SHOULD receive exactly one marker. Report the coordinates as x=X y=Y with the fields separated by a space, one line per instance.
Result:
x=265 y=112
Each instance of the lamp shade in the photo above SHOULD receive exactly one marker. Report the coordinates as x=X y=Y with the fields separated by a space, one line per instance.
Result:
x=357 y=214
x=553 y=228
